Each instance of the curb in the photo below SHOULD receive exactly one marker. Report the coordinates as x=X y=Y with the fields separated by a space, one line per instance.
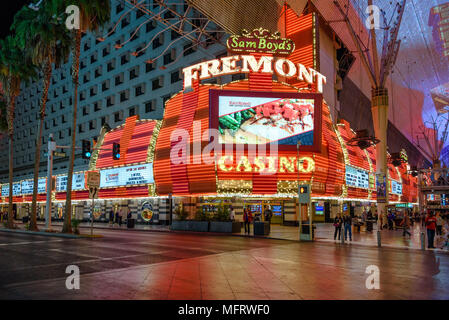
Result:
x=50 y=234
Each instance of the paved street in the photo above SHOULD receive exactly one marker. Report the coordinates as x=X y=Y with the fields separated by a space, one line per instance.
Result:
x=159 y=265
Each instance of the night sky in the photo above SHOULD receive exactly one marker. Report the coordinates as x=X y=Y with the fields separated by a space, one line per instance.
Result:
x=7 y=15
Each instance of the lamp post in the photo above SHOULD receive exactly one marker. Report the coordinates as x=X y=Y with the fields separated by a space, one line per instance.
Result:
x=51 y=149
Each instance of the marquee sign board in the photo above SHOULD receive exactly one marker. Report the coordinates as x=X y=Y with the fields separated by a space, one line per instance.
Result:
x=127 y=176
x=260 y=40
x=78 y=182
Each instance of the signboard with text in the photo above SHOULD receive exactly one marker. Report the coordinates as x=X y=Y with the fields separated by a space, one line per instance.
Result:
x=27 y=186
x=260 y=40
x=127 y=176
x=77 y=182
x=356 y=177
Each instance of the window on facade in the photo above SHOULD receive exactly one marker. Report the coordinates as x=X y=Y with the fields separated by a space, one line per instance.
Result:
x=119 y=79
x=140 y=89
x=189 y=49
x=63 y=119
x=111 y=65
x=82 y=96
x=174 y=76
x=125 y=22
x=150 y=66
x=150 y=106
x=105 y=85
x=132 y=111
x=86 y=46
x=81 y=128
x=134 y=73
x=92 y=124
x=119 y=8
x=106 y=51
x=98 y=72
x=85 y=111
x=124 y=59
x=124 y=96
x=139 y=14
x=61 y=135
x=93 y=58
x=118 y=116
x=110 y=101
x=159 y=41
x=174 y=34
x=151 y=26
x=170 y=57
x=134 y=36
x=103 y=121
x=93 y=91
x=86 y=77
x=97 y=106
x=157 y=83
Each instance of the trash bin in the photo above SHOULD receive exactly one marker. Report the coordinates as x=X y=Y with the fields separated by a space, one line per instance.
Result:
x=261 y=228
x=25 y=219
x=305 y=230
x=130 y=223
x=369 y=226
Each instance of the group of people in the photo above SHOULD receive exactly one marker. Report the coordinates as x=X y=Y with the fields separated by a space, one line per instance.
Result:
x=248 y=217
x=343 y=222
x=436 y=224
x=117 y=217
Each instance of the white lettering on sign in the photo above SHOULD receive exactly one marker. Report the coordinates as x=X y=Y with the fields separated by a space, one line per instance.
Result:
x=77 y=182
x=125 y=176
x=228 y=65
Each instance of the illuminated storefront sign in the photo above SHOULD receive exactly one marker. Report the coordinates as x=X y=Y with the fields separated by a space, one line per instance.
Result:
x=356 y=177
x=266 y=164
x=127 y=176
x=78 y=182
x=265 y=64
x=27 y=186
x=16 y=189
x=396 y=187
x=260 y=40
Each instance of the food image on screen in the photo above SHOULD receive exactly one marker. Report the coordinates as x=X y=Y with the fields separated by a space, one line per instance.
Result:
x=256 y=120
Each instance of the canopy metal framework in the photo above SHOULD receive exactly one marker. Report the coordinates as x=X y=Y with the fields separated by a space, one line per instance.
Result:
x=189 y=25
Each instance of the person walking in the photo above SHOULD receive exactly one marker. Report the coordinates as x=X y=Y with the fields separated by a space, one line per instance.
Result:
x=430 y=226
x=268 y=214
x=338 y=221
x=232 y=214
x=120 y=217
x=406 y=225
x=111 y=217
x=347 y=222
x=246 y=219
x=439 y=224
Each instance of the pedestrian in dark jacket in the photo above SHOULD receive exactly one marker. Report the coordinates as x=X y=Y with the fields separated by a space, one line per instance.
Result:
x=347 y=222
x=111 y=217
x=247 y=217
x=338 y=221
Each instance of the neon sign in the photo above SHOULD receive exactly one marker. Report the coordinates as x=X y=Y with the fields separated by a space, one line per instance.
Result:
x=266 y=165
x=266 y=64
x=260 y=40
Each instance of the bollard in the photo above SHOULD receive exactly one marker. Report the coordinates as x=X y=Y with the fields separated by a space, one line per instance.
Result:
x=423 y=241
x=342 y=237
x=379 y=241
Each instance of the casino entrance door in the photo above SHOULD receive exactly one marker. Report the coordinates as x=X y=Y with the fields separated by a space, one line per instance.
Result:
x=258 y=207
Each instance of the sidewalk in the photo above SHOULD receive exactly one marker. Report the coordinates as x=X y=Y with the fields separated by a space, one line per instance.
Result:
x=324 y=233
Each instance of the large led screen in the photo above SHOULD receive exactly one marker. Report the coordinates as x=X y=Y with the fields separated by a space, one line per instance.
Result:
x=244 y=117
